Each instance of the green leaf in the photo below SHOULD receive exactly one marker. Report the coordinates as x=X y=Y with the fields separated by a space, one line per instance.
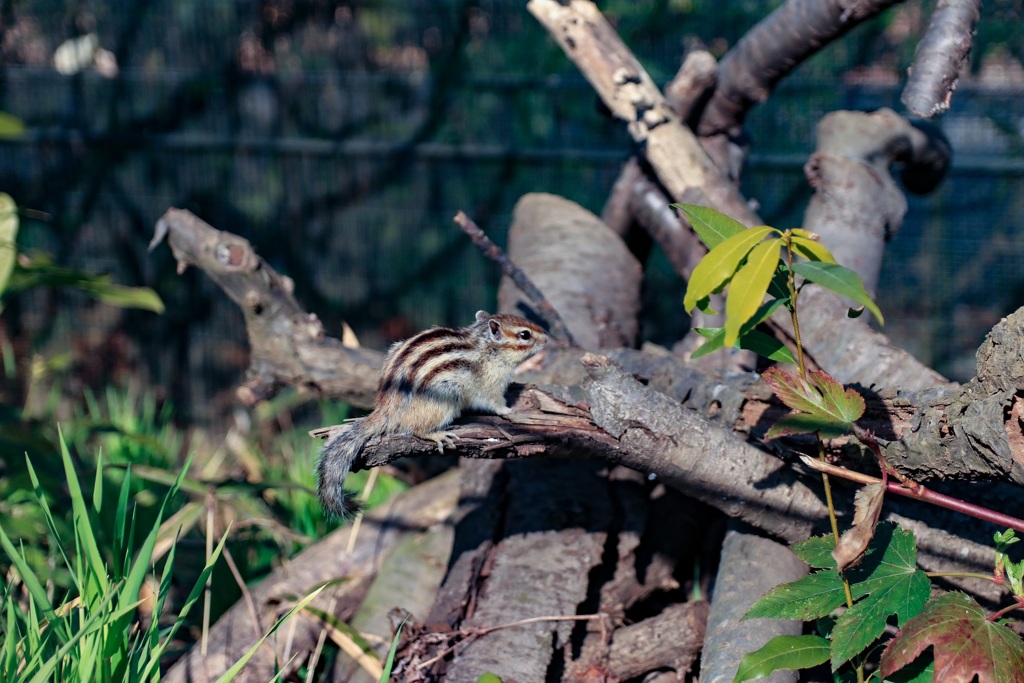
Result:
x=767 y=346
x=389 y=663
x=95 y=568
x=809 y=597
x=779 y=286
x=816 y=551
x=86 y=629
x=811 y=249
x=8 y=238
x=845 y=405
x=840 y=280
x=713 y=227
x=720 y=264
x=128 y=297
x=782 y=652
x=704 y=306
x=11 y=126
x=804 y=423
x=715 y=340
x=964 y=643
x=750 y=339
x=41 y=271
x=886 y=582
x=197 y=590
x=31 y=581
x=129 y=592
x=749 y=285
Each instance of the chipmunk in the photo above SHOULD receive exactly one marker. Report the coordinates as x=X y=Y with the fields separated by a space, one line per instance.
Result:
x=426 y=382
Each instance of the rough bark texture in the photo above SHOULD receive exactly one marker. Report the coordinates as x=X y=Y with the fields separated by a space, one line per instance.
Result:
x=940 y=56
x=671 y=640
x=555 y=519
x=976 y=432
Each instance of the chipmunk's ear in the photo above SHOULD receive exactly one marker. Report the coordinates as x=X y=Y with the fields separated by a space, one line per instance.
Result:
x=495 y=329
x=482 y=316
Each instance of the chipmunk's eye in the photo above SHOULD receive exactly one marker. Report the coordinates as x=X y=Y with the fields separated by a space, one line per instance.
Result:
x=524 y=335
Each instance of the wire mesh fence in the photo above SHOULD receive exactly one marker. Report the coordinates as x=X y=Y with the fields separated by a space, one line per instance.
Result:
x=341 y=138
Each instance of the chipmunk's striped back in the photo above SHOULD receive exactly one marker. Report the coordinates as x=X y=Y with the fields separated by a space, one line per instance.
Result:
x=426 y=382
x=458 y=364
x=415 y=364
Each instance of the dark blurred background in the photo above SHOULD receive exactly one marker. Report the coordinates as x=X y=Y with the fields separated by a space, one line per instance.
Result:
x=342 y=137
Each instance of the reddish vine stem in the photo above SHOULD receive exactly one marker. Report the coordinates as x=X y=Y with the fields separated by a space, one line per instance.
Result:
x=492 y=251
x=920 y=493
x=996 y=616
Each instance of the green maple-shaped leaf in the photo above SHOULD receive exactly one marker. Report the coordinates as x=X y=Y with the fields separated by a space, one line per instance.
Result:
x=816 y=551
x=964 y=643
x=809 y=597
x=803 y=423
x=887 y=582
x=713 y=227
x=821 y=403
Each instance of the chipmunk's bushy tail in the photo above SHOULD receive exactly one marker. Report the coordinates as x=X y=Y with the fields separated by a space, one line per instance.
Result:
x=336 y=460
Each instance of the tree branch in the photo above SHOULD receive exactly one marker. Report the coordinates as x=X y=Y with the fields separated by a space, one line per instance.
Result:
x=288 y=346
x=492 y=251
x=772 y=49
x=940 y=56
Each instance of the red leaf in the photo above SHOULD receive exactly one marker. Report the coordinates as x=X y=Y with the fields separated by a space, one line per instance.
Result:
x=964 y=643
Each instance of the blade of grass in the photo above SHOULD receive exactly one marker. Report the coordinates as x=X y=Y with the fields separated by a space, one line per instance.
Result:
x=87 y=628
x=230 y=674
x=32 y=583
x=390 y=662
x=86 y=540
